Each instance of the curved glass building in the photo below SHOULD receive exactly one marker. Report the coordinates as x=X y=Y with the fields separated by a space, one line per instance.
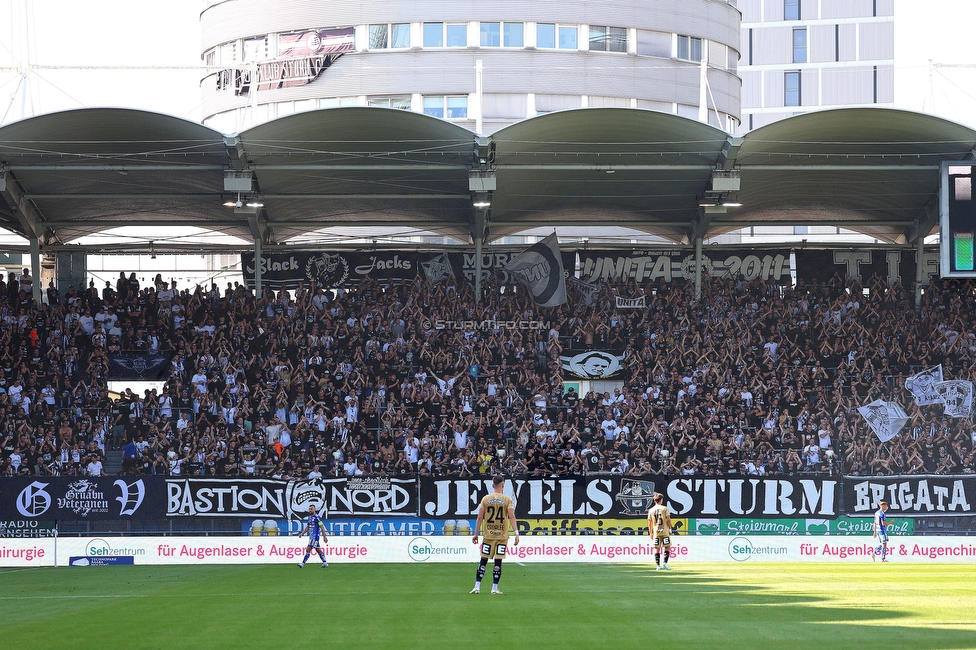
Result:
x=483 y=65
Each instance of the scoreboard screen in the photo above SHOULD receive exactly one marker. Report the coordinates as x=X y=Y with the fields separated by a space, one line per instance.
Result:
x=957 y=230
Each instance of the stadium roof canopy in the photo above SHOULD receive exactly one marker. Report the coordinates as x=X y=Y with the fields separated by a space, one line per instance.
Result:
x=874 y=171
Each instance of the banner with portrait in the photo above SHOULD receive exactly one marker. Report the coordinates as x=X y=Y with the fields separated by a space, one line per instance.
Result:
x=592 y=364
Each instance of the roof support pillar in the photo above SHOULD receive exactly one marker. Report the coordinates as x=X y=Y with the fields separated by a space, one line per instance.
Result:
x=919 y=271
x=35 y=255
x=257 y=269
x=916 y=235
x=478 y=235
x=477 y=268
x=698 y=268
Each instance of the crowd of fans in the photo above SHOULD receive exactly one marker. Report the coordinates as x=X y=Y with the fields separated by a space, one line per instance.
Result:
x=753 y=378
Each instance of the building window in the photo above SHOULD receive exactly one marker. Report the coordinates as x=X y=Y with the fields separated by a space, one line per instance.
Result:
x=453 y=108
x=502 y=35
x=800 y=45
x=437 y=34
x=434 y=106
x=689 y=48
x=608 y=39
x=457 y=35
x=512 y=35
x=791 y=9
x=400 y=102
x=792 y=88
x=545 y=35
x=568 y=38
x=433 y=34
x=551 y=36
x=491 y=34
x=392 y=36
x=457 y=108
x=228 y=53
x=255 y=49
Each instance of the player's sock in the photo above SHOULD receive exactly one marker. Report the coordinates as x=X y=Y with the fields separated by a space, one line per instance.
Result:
x=481 y=573
x=667 y=556
x=496 y=575
x=884 y=553
x=321 y=554
x=657 y=558
x=305 y=559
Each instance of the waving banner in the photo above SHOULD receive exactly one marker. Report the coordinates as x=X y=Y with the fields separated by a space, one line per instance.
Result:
x=886 y=419
x=587 y=291
x=540 y=270
x=923 y=386
x=956 y=397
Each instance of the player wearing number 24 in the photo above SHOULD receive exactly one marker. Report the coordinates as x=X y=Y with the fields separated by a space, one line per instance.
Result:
x=659 y=523
x=495 y=513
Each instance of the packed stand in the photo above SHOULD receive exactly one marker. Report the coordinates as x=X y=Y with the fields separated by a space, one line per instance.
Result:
x=753 y=379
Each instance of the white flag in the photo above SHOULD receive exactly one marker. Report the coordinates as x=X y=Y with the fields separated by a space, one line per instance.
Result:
x=923 y=387
x=540 y=269
x=957 y=397
x=630 y=303
x=588 y=291
x=886 y=419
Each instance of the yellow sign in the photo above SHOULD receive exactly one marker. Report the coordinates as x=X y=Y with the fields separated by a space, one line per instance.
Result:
x=591 y=526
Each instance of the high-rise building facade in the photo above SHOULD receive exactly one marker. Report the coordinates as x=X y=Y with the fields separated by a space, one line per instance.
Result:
x=481 y=64
x=807 y=55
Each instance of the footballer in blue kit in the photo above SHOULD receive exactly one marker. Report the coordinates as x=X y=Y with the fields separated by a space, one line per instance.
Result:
x=314 y=526
x=881 y=532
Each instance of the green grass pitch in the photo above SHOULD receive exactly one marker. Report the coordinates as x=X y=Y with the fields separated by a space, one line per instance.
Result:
x=563 y=606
